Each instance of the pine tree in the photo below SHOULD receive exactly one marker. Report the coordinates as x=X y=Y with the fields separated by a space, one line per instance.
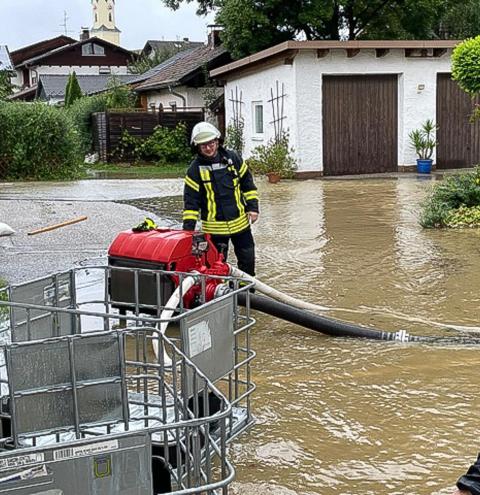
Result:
x=72 y=90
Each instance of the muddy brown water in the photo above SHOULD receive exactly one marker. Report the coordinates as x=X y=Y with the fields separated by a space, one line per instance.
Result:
x=347 y=416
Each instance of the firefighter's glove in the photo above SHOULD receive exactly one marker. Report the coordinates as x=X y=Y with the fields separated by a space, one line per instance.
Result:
x=147 y=224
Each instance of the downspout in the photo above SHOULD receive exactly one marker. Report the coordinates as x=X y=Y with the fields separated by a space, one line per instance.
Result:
x=174 y=93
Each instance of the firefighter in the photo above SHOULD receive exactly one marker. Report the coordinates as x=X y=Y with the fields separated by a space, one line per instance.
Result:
x=219 y=190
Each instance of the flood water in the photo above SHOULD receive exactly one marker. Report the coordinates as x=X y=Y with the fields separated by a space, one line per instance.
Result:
x=348 y=416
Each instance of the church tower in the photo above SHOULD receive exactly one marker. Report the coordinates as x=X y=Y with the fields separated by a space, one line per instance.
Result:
x=104 y=21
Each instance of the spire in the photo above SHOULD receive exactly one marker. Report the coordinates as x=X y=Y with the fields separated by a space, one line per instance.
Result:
x=104 y=21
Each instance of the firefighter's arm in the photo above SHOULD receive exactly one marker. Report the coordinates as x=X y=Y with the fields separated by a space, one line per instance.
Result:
x=191 y=200
x=249 y=191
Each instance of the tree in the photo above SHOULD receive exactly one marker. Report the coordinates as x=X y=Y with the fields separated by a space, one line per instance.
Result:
x=251 y=25
x=119 y=95
x=72 y=91
x=466 y=69
x=145 y=62
x=6 y=87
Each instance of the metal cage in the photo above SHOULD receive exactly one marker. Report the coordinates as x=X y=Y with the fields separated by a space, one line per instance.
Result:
x=82 y=389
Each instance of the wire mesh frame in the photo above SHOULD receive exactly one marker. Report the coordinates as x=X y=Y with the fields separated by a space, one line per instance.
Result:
x=187 y=436
x=277 y=101
x=190 y=438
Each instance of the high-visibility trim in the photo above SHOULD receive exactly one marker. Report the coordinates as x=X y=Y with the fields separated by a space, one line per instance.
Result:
x=238 y=196
x=243 y=169
x=190 y=215
x=226 y=228
x=211 y=205
x=248 y=195
x=191 y=183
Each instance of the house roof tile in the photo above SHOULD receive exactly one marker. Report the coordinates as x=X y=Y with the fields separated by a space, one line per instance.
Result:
x=21 y=54
x=178 y=69
x=53 y=86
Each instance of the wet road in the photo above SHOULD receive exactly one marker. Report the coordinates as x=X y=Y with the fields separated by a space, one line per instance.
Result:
x=345 y=416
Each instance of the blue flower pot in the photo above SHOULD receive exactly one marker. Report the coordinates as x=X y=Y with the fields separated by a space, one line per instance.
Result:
x=424 y=166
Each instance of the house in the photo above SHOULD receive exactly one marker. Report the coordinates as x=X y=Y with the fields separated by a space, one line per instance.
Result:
x=22 y=76
x=152 y=46
x=89 y=56
x=349 y=106
x=181 y=80
x=51 y=87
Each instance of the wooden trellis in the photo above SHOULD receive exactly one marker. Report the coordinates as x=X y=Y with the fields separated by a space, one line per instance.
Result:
x=236 y=102
x=278 y=107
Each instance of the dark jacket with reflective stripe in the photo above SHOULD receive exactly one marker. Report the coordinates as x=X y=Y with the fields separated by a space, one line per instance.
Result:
x=220 y=191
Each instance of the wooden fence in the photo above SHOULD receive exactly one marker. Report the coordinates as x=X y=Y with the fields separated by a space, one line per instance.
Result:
x=107 y=127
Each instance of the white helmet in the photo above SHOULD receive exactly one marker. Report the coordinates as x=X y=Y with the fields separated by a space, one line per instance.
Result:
x=203 y=132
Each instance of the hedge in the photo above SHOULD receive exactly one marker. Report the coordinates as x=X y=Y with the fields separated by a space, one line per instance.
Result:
x=37 y=141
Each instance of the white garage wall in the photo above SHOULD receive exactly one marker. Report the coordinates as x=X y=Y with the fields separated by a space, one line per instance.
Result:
x=257 y=87
x=417 y=78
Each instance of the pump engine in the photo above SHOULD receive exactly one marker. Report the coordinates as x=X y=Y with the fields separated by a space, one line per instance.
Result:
x=162 y=249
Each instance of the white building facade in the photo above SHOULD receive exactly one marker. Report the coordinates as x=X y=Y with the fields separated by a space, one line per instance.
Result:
x=284 y=88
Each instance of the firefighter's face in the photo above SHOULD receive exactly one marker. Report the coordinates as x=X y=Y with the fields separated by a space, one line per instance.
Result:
x=209 y=149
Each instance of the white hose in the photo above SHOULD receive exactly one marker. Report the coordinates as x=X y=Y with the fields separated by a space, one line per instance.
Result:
x=167 y=313
x=274 y=293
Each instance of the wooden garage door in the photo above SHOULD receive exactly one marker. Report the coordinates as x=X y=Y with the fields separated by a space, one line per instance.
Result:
x=359 y=124
x=458 y=139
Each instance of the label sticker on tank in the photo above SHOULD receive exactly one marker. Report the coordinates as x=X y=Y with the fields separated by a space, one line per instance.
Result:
x=85 y=450
x=21 y=460
x=200 y=338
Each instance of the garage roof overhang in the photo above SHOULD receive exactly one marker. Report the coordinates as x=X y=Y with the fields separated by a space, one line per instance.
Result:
x=285 y=52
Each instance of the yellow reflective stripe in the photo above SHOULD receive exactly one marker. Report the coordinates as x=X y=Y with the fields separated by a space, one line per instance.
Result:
x=227 y=227
x=238 y=196
x=191 y=183
x=250 y=195
x=243 y=169
x=211 y=206
x=190 y=215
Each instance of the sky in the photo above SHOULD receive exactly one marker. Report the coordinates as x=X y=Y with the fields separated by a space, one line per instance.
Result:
x=23 y=22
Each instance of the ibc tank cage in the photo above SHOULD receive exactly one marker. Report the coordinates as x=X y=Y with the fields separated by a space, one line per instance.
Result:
x=84 y=397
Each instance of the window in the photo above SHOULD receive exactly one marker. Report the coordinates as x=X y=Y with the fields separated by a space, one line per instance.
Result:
x=92 y=49
x=34 y=77
x=110 y=17
x=104 y=69
x=257 y=117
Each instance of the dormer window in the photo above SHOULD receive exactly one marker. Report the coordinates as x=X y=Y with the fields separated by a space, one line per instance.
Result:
x=92 y=50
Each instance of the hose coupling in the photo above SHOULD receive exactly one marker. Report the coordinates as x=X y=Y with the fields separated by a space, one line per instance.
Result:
x=401 y=336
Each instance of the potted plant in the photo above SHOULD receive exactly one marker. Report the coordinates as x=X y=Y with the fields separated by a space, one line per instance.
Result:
x=423 y=141
x=275 y=159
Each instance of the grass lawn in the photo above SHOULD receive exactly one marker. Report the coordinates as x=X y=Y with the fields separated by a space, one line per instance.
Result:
x=137 y=170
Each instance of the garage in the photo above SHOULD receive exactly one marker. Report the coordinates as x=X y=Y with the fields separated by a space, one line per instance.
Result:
x=360 y=116
x=458 y=138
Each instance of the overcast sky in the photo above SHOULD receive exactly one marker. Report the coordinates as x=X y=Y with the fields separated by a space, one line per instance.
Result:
x=23 y=22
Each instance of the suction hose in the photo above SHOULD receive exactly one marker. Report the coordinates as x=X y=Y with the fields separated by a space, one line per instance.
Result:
x=291 y=309
x=168 y=311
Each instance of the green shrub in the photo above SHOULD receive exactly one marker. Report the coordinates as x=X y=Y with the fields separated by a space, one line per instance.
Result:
x=276 y=156
x=466 y=65
x=37 y=141
x=80 y=112
x=119 y=96
x=234 y=139
x=464 y=217
x=164 y=145
x=454 y=192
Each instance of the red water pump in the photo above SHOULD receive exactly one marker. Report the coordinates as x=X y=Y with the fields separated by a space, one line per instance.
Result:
x=163 y=249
